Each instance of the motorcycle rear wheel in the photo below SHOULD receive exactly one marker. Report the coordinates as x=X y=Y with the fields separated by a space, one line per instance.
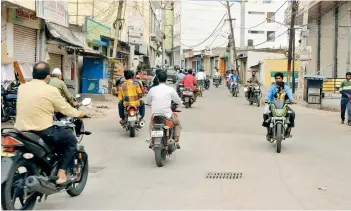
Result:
x=132 y=131
x=160 y=156
x=279 y=137
x=7 y=188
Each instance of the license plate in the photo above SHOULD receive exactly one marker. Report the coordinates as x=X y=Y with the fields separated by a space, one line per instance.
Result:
x=188 y=93
x=245 y=89
x=157 y=133
x=186 y=99
x=132 y=118
x=278 y=118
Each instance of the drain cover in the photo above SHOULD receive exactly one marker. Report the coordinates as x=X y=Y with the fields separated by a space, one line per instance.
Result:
x=94 y=169
x=224 y=175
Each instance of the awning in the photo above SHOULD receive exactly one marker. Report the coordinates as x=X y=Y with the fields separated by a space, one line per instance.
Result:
x=315 y=77
x=74 y=38
x=256 y=66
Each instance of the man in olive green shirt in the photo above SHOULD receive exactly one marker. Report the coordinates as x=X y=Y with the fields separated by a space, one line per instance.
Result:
x=36 y=103
x=56 y=81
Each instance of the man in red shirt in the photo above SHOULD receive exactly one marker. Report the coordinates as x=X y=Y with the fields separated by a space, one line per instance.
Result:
x=189 y=81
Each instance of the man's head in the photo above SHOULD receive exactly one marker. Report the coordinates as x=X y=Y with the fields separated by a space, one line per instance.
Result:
x=190 y=71
x=232 y=71
x=162 y=77
x=279 y=77
x=57 y=73
x=253 y=73
x=158 y=71
x=180 y=71
x=41 y=71
x=128 y=74
x=348 y=76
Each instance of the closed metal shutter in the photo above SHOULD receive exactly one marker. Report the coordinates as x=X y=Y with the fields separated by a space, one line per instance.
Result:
x=24 y=44
x=55 y=61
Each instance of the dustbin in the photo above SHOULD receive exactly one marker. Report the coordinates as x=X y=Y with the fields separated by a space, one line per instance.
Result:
x=313 y=89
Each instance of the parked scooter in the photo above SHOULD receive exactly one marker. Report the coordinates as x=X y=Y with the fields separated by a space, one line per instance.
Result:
x=29 y=166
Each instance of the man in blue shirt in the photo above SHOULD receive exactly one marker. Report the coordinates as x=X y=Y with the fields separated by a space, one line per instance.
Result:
x=272 y=91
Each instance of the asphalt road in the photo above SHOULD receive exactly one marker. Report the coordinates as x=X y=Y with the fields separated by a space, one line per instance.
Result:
x=220 y=134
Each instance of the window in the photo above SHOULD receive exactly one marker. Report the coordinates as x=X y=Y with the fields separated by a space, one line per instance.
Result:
x=256 y=13
x=271 y=36
x=255 y=32
x=270 y=17
x=250 y=43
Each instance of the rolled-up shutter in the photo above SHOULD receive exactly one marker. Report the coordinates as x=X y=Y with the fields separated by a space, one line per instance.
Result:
x=55 y=61
x=24 y=44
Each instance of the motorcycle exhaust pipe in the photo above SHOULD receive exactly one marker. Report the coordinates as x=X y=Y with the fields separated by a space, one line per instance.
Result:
x=142 y=124
x=40 y=185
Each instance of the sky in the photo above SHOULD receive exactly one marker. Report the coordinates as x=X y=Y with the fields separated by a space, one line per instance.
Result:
x=200 y=18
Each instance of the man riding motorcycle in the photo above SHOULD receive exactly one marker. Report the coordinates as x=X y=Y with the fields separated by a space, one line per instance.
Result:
x=130 y=94
x=252 y=80
x=271 y=94
x=234 y=77
x=36 y=103
x=160 y=99
x=56 y=81
x=201 y=77
x=189 y=81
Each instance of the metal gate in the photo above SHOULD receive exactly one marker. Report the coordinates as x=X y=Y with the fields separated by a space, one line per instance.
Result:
x=55 y=61
x=24 y=44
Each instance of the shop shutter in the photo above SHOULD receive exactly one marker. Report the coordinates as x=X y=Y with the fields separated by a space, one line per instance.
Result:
x=24 y=44
x=55 y=61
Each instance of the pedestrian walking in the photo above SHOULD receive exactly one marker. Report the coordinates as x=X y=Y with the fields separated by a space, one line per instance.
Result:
x=345 y=90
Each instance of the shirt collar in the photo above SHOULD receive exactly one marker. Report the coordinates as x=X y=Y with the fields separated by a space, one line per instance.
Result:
x=38 y=81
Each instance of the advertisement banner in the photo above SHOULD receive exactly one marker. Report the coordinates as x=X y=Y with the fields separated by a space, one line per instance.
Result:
x=136 y=30
x=55 y=11
x=23 y=18
x=96 y=29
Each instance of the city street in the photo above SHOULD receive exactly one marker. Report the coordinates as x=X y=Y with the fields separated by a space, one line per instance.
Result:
x=220 y=134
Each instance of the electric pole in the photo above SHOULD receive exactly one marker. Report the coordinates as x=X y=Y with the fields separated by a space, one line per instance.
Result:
x=163 y=34
x=291 y=38
x=118 y=19
x=232 y=38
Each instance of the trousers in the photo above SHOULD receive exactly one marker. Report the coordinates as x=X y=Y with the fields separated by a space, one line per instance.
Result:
x=346 y=106
x=62 y=140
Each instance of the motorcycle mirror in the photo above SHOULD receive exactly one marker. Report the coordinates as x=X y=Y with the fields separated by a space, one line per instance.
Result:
x=77 y=95
x=86 y=101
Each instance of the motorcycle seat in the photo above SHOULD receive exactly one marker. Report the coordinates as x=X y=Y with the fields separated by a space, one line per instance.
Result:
x=36 y=139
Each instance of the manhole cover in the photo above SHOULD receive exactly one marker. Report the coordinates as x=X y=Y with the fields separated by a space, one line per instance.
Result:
x=224 y=175
x=94 y=169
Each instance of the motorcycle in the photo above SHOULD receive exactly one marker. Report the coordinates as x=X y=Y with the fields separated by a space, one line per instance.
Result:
x=279 y=122
x=162 y=136
x=29 y=166
x=180 y=90
x=8 y=102
x=254 y=94
x=216 y=82
x=188 y=97
x=207 y=83
x=132 y=120
x=234 y=88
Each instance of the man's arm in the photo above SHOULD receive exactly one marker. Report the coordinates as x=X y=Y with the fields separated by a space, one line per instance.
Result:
x=66 y=92
x=120 y=93
x=289 y=93
x=269 y=94
x=175 y=97
x=148 y=99
x=62 y=106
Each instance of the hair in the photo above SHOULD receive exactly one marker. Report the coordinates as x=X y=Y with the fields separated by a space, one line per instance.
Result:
x=348 y=73
x=190 y=71
x=279 y=74
x=128 y=74
x=162 y=77
x=158 y=71
x=180 y=71
x=41 y=70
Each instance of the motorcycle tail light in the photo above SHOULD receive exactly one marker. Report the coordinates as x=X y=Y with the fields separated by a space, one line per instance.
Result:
x=9 y=143
x=131 y=112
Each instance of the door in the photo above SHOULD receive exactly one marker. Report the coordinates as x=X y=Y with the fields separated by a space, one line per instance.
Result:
x=55 y=61
x=24 y=44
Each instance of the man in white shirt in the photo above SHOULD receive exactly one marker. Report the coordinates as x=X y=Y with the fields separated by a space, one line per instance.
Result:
x=160 y=98
x=201 y=75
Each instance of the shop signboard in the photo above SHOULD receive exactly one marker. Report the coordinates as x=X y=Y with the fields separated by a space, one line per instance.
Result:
x=55 y=11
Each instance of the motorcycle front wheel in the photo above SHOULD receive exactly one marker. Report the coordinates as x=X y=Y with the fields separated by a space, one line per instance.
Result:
x=279 y=137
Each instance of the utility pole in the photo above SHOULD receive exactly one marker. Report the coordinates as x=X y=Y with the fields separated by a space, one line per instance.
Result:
x=291 y=38
x=348 y=59
x=118 y=19
x=163 y=34
x=304 y=35
x=232 y=38
x=77 y=13
x=92 y=15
